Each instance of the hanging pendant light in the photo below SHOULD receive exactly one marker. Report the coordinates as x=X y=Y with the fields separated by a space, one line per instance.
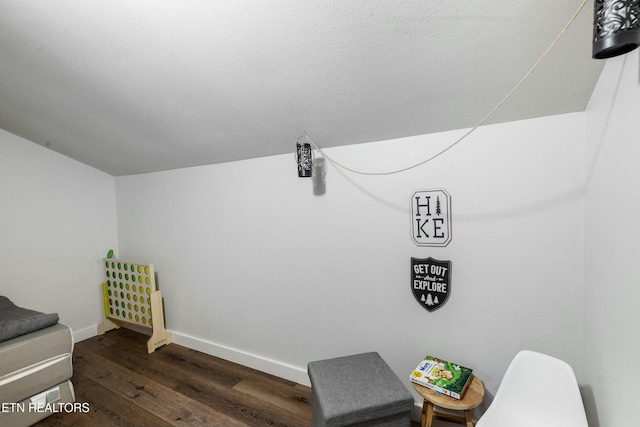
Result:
x=616 y=27
x=304 y=159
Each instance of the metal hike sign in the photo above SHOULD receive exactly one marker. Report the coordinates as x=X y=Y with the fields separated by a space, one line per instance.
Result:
x=431 y=218
x=430 y=282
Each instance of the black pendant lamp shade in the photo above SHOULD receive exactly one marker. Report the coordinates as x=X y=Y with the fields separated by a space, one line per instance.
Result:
x=304 y=159
x=616 y=27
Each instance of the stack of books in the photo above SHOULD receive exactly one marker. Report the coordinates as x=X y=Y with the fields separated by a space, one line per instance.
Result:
x=442 y=376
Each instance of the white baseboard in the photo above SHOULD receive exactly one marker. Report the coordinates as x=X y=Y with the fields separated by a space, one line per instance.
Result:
x=283 y=370
x=84 y=333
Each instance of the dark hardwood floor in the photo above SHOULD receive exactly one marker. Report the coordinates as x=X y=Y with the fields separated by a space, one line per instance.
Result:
x=174 y=386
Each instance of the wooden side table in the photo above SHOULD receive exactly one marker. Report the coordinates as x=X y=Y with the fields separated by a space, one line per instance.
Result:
x=471 y=398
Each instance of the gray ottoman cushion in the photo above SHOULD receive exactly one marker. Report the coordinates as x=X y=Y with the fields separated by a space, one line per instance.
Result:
x=358 y=389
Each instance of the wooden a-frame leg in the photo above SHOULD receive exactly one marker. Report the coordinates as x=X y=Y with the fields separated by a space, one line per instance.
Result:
x=159 y=335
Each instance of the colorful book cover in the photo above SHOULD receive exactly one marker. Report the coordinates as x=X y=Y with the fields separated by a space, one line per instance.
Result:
x=442 y=376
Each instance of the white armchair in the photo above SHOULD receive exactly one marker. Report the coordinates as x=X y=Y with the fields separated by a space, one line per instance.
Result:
x=537 y=391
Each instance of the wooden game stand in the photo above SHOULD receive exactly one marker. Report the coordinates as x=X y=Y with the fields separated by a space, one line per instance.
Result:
x=148 y=299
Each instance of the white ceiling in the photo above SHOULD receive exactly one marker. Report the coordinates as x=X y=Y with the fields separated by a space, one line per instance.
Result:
x=137 y=86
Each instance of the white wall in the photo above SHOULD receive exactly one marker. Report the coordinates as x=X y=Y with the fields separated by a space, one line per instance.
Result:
x=612 y=247
x=57 y=220
x=255 y=268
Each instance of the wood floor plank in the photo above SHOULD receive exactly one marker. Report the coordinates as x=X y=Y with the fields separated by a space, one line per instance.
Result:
x=105 y=409
x=189 y=362
x=92 y=345
x=205 y=379
x=285 y=396
x=208 y=389
x=175 y=409
x=175 y=386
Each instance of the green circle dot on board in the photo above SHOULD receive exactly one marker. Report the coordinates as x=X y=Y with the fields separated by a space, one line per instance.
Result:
x=110 y=253
x=133 y=268
x=147 y=281
x=130 y=316
x=150 y=322
x=118 y=312
x=106 y=264
x=139 y=279
x=109 y=292
x=135 y=298
x=143 y=310
x=121 y=286
x=146 y=270
x=127 y=286
x=126 y=277
x=121 y=294
x=128 y=297
x=144 y=320
x=107 y=273
x=137 y=318
x=110 y=310
x=139 y=269
x=120 y=276
x=133 y=278
x=113 y=264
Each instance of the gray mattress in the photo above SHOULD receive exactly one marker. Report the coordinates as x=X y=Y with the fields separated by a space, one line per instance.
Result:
x=16 y=321
x=33 y=362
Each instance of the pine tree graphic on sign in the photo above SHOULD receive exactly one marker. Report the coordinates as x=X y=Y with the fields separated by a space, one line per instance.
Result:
x=438 y=209
x=429 y=300
x=435 y=300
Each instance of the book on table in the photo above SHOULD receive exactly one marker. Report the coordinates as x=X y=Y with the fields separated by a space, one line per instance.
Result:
x=442 y=376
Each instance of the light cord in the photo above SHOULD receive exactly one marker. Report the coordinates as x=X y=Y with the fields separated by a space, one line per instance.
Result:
x=473 y=129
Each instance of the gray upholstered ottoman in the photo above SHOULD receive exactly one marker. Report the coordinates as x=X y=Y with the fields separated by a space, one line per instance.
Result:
x=358 y=390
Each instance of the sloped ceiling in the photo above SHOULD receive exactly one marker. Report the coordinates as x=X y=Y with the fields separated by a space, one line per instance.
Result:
x=138 y=86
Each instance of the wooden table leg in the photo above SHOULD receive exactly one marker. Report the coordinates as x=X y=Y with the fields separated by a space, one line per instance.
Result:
x=467 y=418
x=430 y=410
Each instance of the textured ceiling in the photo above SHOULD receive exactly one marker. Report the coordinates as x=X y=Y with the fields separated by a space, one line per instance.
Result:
x=138 y=86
